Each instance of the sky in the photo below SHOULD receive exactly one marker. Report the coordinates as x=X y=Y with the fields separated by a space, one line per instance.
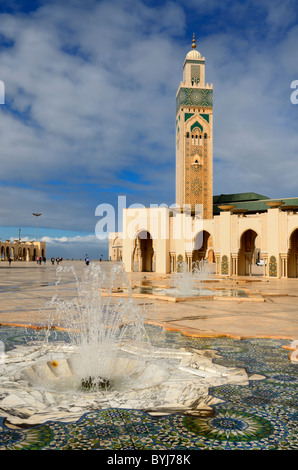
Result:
x=89 y=109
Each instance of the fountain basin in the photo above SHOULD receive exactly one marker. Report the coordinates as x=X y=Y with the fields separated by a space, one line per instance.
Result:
x=170 y=294
x=59 y=375
x=39 y=383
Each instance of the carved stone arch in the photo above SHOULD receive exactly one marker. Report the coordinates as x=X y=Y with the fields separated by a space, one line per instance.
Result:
x=197 y=119
x=202 y=244
x=197 y=127
x=293 y=253
x=246 y=252
x=290 y=240
x=143 y=251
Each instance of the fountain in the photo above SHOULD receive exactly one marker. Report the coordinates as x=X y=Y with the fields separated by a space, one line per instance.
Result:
x=185 y=284
x=97 y=324
x=188 y=281
x=104 y=359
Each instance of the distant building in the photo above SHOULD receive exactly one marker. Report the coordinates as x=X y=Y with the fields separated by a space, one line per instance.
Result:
x=115 y=247
x=23 y=251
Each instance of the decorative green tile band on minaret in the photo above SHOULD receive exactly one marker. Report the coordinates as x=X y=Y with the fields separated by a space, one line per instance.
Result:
x=205 y=116
x=187 y=116
x=194 y=97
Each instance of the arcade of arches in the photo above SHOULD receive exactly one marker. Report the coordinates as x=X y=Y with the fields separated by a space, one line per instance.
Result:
x=144 y=253
x=22 y=251
x=235 y=242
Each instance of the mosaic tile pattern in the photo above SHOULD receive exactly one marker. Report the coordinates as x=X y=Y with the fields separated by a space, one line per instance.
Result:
x=262 y=415
x=272 y=266
x=196 y=174
x=224 y=265
x=194 y=97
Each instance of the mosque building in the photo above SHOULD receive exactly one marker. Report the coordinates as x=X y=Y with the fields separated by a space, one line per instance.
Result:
x=234 y=231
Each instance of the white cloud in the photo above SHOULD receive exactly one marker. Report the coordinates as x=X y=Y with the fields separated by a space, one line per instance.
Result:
x=75 y=239
x=76 y=247
x=84 y=116
x=255 y=125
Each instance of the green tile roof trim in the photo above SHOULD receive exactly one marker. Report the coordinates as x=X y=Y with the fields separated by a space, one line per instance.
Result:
x=196 y=61
x=205 y=116
x=228 y=198
x=187 y=116
x=194 y=97
x=252 y=202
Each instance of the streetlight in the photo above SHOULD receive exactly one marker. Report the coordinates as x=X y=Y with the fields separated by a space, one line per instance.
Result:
x=36 y=215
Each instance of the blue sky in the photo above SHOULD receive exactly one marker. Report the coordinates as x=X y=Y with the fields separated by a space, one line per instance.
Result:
x=89 y=109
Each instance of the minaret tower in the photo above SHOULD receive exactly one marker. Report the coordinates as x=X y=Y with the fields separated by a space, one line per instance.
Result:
x=194 y=136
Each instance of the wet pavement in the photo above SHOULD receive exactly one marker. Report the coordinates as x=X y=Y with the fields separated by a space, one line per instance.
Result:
x=269 y=308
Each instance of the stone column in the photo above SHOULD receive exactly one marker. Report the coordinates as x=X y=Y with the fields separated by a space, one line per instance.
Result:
x=139 y=255
x=286 y=265
x=265 y=265
x=248 y=260
x=188 y=256
x=217 y=263
x=172 y=261
x=151 y=259
x=234 y=269
x=140 y=261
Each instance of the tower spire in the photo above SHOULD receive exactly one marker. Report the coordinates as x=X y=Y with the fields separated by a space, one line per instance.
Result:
x=194 y=41
x=194 y=136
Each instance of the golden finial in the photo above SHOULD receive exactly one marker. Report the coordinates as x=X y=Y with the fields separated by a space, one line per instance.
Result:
x=194 y=41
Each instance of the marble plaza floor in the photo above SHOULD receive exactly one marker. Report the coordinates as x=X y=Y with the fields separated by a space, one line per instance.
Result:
x=254 y=332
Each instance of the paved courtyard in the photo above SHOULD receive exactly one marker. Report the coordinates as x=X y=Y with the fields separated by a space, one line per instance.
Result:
x=270 y=309
x=252 y=332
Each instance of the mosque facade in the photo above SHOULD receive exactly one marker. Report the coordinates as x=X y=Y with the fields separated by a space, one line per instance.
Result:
x=234 y=231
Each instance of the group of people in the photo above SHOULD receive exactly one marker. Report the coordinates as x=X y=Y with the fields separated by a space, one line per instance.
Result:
x=58 y=260
x=41 y=259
